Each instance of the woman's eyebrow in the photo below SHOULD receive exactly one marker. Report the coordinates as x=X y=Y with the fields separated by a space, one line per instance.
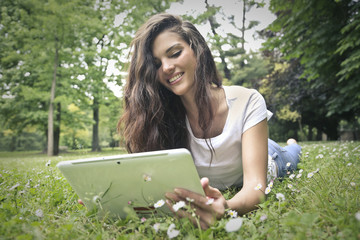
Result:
x=172 y=47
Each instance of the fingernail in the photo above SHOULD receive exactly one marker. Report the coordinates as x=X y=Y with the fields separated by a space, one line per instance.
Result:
x=177 y=191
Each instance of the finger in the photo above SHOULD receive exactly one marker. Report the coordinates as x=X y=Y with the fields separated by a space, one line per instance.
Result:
x=170 y=206
x=204 y=181
x=173 y=197
x=209 y=191
x=194 y=198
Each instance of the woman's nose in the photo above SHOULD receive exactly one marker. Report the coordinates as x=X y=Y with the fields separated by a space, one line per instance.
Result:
x=168 y=67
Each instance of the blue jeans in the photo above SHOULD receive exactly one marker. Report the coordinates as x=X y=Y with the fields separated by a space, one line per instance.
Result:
x=283 y=156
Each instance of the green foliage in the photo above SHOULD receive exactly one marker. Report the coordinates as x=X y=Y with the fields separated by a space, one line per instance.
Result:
x=27 y=140
x=324 y=37
x=234 y=64
x=284 y=88
x=286 y=114
x=321 y=202
x=86 y=39
x=249 y=70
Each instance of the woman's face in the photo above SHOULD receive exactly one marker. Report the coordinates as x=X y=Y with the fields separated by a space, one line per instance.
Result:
x=176 y=63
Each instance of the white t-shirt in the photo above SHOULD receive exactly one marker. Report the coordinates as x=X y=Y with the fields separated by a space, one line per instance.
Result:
x=246 y=109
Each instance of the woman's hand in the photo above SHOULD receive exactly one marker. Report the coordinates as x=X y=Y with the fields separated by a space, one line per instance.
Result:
x=208 y=209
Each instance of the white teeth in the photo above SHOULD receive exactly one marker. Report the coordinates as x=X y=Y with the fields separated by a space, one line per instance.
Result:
x=175 y=78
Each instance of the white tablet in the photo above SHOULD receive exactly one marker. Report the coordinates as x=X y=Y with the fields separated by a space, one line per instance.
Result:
x=117 y=185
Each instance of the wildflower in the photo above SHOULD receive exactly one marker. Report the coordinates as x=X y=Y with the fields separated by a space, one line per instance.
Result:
x=301 y=170
x=292 y=176
x=232 y=214
x=156 y=227
x=159 y=203
x=210 y=201
x=129 y=202
x=258 y=187
x=349 y=164
x=271 y=184
x=39 y=213
x=147 y=178
x=317 y=170
x=233 y=224
x=319 y=156
x=263 y=218
x=189 y=199
x=310 y=175
x=288 y=172
x=290 y=186
x=48 y=163
x=280 y=197
x=299 y=175
x=14 y=187
x=178 y=205
x=143 y=219
x=288 y=164
x=352 y=184
x=268 y=190
x=172 y=232
x=357 y=215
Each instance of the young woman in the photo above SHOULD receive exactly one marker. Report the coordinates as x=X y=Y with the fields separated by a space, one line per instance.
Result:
x=174 y=99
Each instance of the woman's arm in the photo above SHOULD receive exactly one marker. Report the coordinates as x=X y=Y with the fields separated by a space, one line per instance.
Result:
x=254 y=145
x=254 y=158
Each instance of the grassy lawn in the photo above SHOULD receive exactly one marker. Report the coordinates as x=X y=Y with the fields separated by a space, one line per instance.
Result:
x=320 y=201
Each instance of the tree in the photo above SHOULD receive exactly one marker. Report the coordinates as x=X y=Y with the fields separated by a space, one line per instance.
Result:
x=46 y=36
x=249 y=69
x=228 y=46
x=324 y=36
x=296 y=104
x=24 y=96
x=218 y=42
x=56 y=53
x=94 y=58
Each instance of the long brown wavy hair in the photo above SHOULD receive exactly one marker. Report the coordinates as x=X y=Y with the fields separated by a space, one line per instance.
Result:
x=154 y=117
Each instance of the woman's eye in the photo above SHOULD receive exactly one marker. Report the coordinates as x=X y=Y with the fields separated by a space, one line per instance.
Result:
x=176 y=54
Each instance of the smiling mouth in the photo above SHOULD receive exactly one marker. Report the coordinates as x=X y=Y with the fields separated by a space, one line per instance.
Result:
x=173 y=79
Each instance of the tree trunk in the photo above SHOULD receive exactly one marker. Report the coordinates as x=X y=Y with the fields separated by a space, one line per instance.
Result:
x=243 y=27
x=50 y=150
x=57 y=129
x=95 y=136
x=303 y=135
x=226 y=70
x=310 y=134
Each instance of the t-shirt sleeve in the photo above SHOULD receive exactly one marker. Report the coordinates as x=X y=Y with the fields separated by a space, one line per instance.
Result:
x=255 y=110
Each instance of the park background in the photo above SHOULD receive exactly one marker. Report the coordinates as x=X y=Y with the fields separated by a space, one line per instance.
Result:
x=63 y=63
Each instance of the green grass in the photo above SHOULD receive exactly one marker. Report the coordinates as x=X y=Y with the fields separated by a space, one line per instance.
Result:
x=36 y=202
